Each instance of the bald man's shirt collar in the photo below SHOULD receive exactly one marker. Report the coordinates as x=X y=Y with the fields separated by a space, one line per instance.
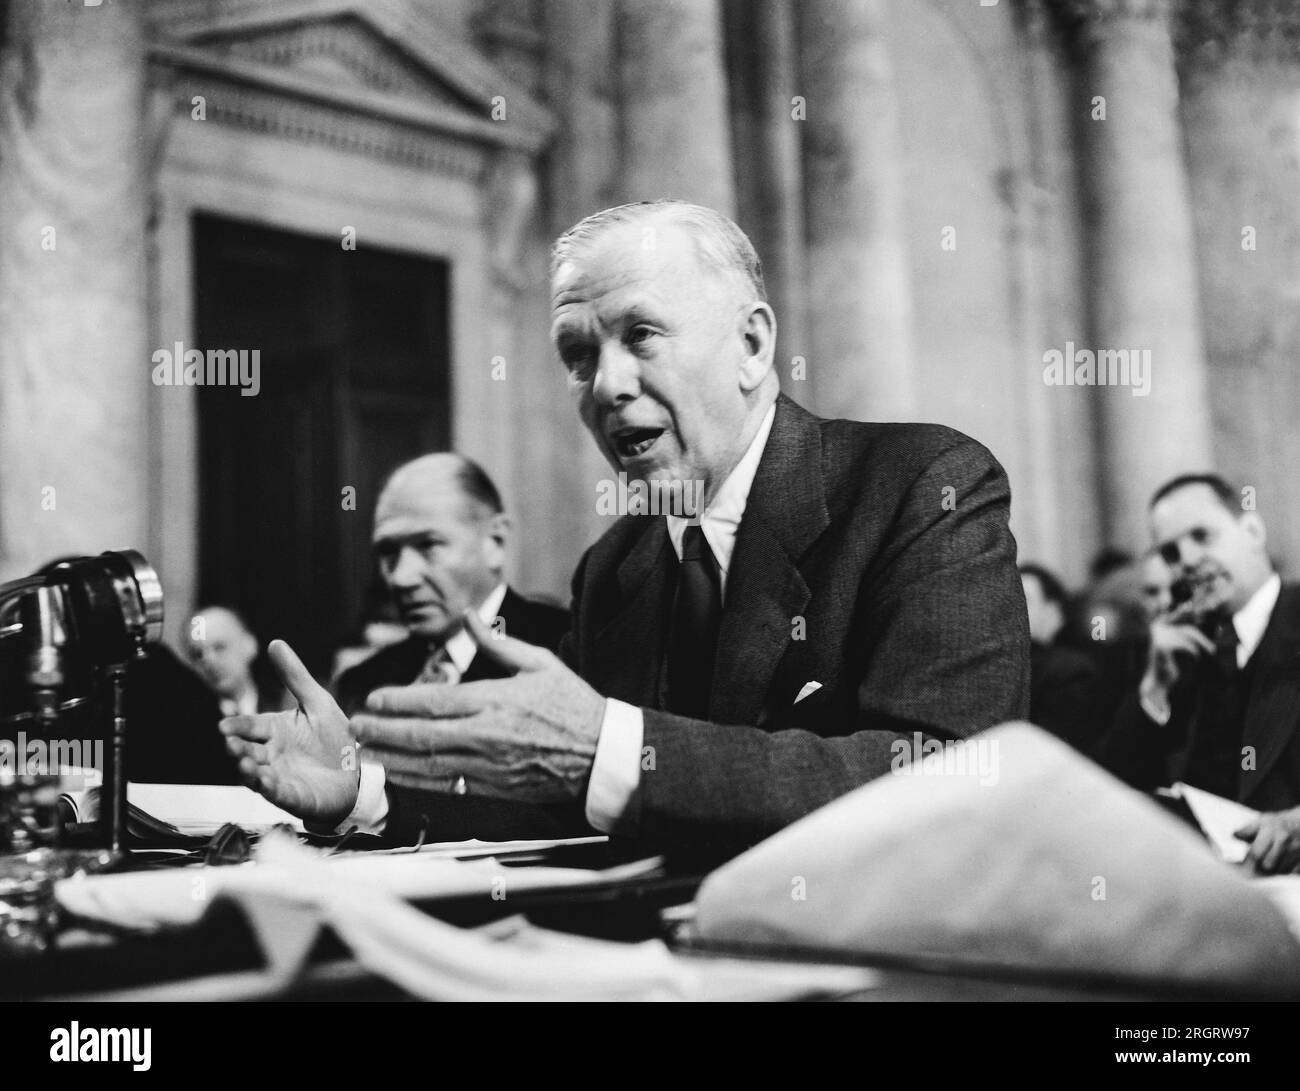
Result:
x=721 y=519
x=461 y=647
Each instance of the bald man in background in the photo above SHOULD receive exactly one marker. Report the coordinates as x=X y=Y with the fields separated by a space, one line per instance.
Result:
x=441 y=539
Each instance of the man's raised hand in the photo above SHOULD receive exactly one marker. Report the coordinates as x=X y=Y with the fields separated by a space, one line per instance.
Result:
x=303 y=760
x=531 y=737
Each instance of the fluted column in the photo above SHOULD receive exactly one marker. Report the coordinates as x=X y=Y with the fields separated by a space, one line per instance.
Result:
x=764 y=80
x=74 y=358
x=1143 y=286
x=858 y=272
x=676 y=140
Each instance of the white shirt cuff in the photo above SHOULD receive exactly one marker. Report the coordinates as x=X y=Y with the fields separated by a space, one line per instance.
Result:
x=370 y=814
x=612 y=799
x=1154 y=702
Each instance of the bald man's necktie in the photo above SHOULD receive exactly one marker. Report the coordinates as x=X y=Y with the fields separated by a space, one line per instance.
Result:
x=697 y=611
x=439 y=668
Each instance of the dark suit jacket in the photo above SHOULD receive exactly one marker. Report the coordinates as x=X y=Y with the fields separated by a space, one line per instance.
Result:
x=444 y=817
x=1148 y=754
x=1063 y=693
x=872 y=558
x=172 y=717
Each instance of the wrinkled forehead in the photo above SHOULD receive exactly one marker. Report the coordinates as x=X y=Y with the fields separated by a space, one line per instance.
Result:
x=419 y=504
x=646 y=255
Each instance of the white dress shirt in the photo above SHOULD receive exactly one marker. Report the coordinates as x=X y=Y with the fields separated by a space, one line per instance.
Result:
x=1249 y=622
x=616 y=772
x=371 y=810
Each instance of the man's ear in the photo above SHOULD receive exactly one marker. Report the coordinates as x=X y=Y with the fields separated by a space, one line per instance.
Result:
x=1253 y=525
x=758 y=329
x=498 y=535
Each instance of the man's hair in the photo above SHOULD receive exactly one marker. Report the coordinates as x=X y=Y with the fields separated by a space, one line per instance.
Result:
x=236 y=614
x=477 y=486
x=1052 y=588
x=719 y=243
x=470 y=478
x=1228 y=496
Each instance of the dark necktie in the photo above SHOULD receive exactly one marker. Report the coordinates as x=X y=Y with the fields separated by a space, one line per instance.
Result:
x=1214 y=762
x=697 y=610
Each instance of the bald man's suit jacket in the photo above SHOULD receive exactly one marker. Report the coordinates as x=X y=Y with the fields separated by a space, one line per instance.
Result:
x=873 y=559
x=436 y=816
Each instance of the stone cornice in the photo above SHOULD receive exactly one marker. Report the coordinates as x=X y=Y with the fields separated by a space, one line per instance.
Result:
x=343 y=71
x=1203 y=31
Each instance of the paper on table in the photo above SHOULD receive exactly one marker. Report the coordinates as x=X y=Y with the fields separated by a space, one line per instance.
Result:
x=1219 y=820
x=149 y=900
x=1284 y=892
x=291 y=893
x=199 y=810
x=473 y=848
x=1048 y=864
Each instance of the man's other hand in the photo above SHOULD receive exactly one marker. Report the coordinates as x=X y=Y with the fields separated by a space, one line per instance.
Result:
x=304 y=760
x=1169 y=640
x=1274 y=841
x=531 y=737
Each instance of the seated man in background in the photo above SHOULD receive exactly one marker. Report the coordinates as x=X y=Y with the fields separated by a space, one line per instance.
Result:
x=441 y=538
x=225 y=653
x=1218 y=705
x=1062 y=681
x=839 y=591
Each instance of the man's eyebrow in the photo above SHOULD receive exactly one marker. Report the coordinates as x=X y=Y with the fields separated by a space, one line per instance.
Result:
x=390 y=540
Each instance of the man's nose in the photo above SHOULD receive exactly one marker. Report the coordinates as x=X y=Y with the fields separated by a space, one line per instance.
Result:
x=618 y=376
x=408 y=569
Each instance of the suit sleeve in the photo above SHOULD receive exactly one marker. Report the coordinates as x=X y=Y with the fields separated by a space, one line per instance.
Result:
x=945 y=653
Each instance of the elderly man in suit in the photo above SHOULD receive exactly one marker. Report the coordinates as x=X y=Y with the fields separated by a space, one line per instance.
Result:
x=847 y=593
x=1218 y=705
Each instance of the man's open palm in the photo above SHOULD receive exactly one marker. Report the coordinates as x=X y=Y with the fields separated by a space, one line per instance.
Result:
x=303 y=760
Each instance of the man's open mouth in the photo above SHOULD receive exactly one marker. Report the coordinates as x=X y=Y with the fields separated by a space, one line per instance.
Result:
x=635 y=442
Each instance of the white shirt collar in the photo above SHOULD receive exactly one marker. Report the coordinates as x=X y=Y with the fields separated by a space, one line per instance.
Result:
x=721 y=519
x=243 y=705
x=461 y=647
x=1252 y=619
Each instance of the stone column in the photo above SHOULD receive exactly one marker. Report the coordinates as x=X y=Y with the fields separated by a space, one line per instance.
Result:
x=74 y=354
x=763 y=82
x=582 y=86
x=1143 y=285
x=858 y=272
x=676 y=138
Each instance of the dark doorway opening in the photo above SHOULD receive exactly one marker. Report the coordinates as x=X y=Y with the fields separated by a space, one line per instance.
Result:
x=354 y=363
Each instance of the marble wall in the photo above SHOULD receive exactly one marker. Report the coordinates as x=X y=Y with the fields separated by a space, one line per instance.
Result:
x=940 y=211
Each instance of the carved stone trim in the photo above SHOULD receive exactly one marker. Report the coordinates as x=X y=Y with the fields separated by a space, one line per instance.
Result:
x=411 y=35
x=1204 y=31
x=265 y=111
x=1209 y=31
x=343 y=40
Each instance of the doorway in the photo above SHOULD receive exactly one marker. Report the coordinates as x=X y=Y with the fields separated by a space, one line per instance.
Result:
x=354 y=364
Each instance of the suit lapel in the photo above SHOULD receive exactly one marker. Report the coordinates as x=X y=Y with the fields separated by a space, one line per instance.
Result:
x=1273 y=711
x=785 y=513
x=627 y=651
